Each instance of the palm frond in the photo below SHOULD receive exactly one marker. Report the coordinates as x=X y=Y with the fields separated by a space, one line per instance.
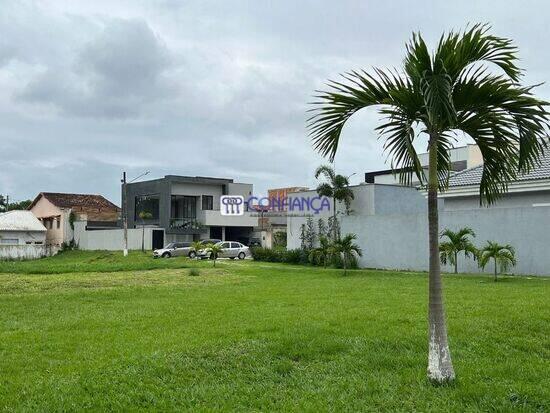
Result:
x=457 y=51
x=336 y=106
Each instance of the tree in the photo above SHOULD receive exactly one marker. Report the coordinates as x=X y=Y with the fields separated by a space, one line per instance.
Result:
x=310 y=234
x=144 y=215
x=504 y=256
x=196 y=246
x=13 y=206
x=346 y=248
x=322 y=253
x=321 y=228
x=215 y=250
x=3 y=203
x=333 y=228
x=437 y=94
x=457 y=242
x=335 y=187
x=303 y=237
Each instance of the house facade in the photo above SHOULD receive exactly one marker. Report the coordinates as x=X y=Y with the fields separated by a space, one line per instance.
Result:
x=187 y=208
x=58 y=211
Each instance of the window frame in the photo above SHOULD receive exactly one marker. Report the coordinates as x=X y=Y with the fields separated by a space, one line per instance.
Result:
x=207 y=202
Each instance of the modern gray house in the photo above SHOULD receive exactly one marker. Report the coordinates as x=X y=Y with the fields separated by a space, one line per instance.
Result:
x=391 y=223
x=187 y=208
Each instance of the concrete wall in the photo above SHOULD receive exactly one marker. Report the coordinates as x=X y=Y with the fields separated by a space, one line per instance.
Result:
x=25 y=252
x=395 y=236
x=110 y=239
x=244 y=190
x=24 y=236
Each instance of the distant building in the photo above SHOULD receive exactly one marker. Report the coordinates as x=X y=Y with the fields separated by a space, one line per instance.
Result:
x=22 y=236
x=21 y=228
x=187 y=208
x=55 y=210
x=463 y=157
x=278 y=195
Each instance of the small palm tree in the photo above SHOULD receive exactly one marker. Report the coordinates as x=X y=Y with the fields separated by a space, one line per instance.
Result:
x=143 y=216
x=215 y=250
x=346 y=248
x=196 y=246
x=436 y=94
x=322 y=252
x=504 y=256
x=457 y=242
x=336 y=187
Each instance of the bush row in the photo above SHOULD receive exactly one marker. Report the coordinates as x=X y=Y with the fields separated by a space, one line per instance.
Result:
x=296 y=256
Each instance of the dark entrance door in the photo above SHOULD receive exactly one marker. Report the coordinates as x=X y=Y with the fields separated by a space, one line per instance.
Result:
x=158 y=239
x=216 y=232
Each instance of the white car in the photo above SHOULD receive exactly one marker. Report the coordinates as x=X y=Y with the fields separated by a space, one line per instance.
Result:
x=230 y=249
x=175 y=249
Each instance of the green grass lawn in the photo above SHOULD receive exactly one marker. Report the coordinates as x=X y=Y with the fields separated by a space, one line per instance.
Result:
x=249 y=336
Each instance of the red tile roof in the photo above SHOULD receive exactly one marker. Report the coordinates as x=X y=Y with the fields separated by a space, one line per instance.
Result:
x=81 y=201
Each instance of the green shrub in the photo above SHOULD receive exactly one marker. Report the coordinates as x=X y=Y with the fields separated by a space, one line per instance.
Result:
x=296 y=256
x=336 y=261
x=194 y=272
x=267 y=254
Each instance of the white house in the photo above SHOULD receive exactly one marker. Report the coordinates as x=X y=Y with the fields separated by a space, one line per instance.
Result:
x=22 y=235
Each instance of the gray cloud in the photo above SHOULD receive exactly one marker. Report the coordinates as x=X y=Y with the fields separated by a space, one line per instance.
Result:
x=204 y=87
x=116 y=75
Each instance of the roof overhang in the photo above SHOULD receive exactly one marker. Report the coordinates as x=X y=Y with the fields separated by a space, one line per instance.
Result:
x=514 y=187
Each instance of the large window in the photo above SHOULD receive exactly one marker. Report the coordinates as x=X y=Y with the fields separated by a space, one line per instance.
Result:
x=147 y=204
x=183 y=207
x=207 y=202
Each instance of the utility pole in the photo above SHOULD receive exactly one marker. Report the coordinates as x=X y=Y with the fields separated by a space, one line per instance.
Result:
x=125 y=213
x=125 y=207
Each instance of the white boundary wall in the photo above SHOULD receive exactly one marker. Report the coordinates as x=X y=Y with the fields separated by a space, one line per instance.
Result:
x=111 y=239
x=391 y=224
x=26 y=252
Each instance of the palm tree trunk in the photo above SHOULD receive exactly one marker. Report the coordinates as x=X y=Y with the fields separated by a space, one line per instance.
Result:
x=456 y=262
x=344 y=263
x=495 y=269
x=440 y=367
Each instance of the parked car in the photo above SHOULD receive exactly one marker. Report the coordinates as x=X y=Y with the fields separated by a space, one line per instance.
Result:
x=178 y=249
x=230 y=249
x=175 y=249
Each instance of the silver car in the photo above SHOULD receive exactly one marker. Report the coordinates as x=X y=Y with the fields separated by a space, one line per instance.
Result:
x=175 y=249
x=230 y=249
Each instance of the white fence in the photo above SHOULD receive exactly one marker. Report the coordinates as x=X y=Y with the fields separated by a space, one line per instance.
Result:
x=26 y=252
x=111 y=239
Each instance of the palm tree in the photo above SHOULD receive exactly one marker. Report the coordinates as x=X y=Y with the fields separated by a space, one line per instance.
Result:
x=346 y=248
x=503 y=255
x=436 y=95
x=457 y=242
x=336 y=187
x=322 y=252
x=144 y=215
x=196 y=246
x=215 y=250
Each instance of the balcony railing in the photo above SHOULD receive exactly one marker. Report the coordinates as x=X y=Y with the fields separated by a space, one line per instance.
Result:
x=185 y=224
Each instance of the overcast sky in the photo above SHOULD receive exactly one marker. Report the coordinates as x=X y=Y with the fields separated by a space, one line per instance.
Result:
x=91 y=88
